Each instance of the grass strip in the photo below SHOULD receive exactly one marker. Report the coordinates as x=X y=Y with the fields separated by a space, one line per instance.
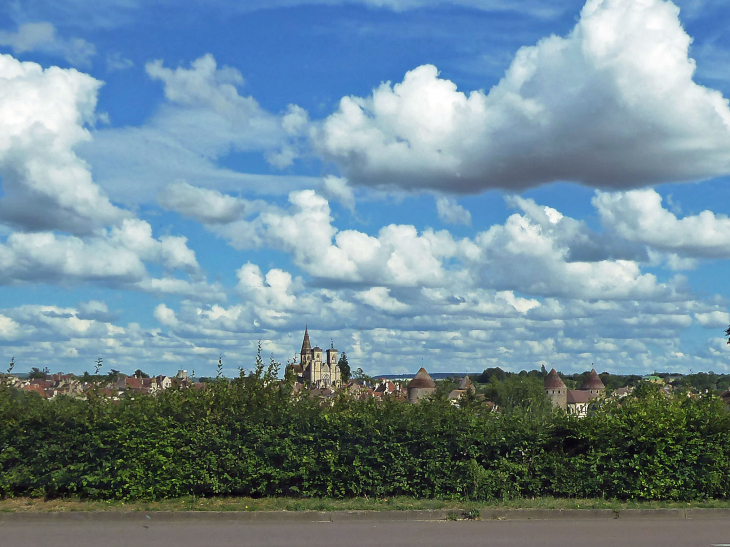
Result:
x=192 y=503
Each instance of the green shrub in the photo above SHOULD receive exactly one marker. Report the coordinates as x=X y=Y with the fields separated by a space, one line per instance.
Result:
x=250 y=437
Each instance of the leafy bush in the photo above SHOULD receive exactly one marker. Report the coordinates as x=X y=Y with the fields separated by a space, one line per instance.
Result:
x=250 y=437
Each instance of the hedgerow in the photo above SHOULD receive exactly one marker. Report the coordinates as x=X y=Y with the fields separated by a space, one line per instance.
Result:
x=250 y=437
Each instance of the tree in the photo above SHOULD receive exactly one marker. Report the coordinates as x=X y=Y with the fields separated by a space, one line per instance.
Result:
x=360 y=375
x=525 y=392
x=646 y=390
x=345 y=372
x=727 y=333
x=139 y=374
x=487 y=375
x=38 y=374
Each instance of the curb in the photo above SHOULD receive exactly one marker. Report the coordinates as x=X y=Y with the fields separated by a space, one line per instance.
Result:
x=358 y=516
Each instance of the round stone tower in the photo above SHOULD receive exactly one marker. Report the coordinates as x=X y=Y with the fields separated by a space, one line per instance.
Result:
x=593 y=384
x=556 y=390
x=421 y=386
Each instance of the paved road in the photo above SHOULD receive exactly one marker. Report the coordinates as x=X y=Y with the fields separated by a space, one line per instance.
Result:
x=547 y=533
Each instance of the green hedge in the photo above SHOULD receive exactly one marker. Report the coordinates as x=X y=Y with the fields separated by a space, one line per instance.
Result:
x=249 y=437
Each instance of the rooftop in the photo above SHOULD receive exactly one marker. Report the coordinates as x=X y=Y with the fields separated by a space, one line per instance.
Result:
x=422 y=379
x=553 y=381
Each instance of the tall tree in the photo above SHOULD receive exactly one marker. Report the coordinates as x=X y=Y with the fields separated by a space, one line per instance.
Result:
x=345 y=372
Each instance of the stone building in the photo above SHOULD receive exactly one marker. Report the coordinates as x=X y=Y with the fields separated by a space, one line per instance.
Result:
x=465 y=386
x=555 y=389
x=594 y=385
x=574 y=401
x=421 y=386
x=312 y=370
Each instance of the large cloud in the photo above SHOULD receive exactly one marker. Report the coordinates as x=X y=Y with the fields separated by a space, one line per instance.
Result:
x=398 y=255
x=67 y=230
x=531 y=253
x=113 y=258
x=639 y=216
x=42 y=119
x=610 y=105
x=540 y=252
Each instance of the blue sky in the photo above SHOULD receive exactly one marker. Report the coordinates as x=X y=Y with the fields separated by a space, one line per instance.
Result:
x=462 y=184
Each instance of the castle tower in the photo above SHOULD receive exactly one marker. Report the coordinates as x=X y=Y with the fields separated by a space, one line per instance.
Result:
x=593 y=384
x=421 y=386
x=555 y=389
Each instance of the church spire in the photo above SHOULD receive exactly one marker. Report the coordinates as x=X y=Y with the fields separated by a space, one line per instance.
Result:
x=306 y=345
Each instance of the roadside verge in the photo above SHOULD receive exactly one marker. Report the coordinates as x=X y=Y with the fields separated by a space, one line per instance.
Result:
x=345 y=516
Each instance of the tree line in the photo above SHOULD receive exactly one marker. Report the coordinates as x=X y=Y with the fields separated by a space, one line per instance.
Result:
x=698 y=382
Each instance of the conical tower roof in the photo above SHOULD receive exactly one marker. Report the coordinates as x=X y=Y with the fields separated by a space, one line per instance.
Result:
x=592 y=382
x=422 y=379
x=465 y=383
x=553 y=381
x=306 y=346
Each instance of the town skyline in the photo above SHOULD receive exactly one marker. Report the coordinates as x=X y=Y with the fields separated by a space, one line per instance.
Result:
x=454 y=184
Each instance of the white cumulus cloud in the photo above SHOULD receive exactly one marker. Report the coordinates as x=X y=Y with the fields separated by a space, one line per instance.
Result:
x=612 y=104
x=165 y=315
x=43 y=114
x=639 y=215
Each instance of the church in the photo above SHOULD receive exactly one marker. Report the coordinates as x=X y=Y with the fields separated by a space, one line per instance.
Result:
x=312 y=371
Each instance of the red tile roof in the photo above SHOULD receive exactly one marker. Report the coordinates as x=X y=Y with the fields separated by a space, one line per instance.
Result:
x=577 y=396
x=133 y=383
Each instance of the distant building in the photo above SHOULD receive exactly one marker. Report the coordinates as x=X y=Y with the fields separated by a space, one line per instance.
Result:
x=574 y=401
x=465 y=386
x=163 y=382
x=593 y=385
x=314 y=372
x=556 y=390
x=421 y=386
x=653 y=378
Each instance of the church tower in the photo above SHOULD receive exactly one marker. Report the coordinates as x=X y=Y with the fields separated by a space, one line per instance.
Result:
x=306 y=353
x=314 y=371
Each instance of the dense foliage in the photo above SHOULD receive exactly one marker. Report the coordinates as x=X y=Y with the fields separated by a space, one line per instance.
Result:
x=345 y=371
x=698 y=382
x=250 y=437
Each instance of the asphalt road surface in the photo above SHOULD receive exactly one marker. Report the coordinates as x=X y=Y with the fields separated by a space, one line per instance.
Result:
x=548 y=533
